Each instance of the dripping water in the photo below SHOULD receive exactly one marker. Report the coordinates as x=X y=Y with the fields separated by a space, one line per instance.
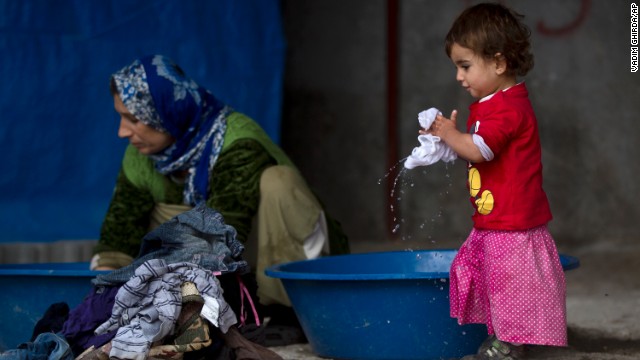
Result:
x=404 y=180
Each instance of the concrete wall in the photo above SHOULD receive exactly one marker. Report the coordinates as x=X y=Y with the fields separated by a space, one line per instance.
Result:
x=335 y=122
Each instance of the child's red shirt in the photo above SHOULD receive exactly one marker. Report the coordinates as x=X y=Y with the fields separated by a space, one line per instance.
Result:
x=509 y=192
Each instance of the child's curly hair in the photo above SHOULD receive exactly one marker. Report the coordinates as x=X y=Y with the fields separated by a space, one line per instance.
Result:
x=489 y=29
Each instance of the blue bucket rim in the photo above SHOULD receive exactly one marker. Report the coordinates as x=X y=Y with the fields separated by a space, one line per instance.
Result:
x=50 y=269
x=277 y=271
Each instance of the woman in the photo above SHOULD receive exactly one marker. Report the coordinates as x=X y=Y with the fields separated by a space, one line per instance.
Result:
x=187 y=148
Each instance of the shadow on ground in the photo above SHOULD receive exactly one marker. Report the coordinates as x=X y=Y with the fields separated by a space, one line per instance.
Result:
x=591 y=341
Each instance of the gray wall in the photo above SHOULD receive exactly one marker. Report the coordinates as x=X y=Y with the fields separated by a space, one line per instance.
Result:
x=335 y=122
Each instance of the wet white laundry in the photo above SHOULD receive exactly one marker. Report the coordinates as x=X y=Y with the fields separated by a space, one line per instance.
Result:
x=431 y=149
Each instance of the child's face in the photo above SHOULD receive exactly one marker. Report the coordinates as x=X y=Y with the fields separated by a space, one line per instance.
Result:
x=480 y=77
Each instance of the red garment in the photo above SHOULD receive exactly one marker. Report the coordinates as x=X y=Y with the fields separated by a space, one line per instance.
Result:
x=507 y=191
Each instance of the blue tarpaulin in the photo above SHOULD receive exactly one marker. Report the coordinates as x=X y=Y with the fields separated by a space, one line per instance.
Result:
x=58 y=130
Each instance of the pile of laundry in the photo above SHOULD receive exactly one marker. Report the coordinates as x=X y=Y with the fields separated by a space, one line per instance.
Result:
x=188 y=295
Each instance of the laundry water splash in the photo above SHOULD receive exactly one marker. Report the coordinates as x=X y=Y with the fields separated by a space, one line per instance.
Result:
x=404 y=181
x=400 y=175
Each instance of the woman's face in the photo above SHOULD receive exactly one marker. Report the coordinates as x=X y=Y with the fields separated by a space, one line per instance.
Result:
x=145 y=138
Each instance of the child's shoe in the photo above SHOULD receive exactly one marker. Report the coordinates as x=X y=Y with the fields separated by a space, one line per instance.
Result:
x=497 y=349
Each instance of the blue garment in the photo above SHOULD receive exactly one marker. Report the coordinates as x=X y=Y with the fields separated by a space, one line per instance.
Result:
x=52 y=320
x=158 y=93
x=47 y=346
x=198 y=236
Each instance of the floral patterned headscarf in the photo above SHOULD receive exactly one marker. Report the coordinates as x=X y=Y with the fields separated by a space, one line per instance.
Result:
x=159 y=94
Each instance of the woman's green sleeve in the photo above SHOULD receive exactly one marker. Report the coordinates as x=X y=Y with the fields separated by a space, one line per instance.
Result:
x=127 y=219
x=235 y=183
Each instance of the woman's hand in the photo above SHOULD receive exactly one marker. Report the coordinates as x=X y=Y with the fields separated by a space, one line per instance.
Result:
x=104 y=268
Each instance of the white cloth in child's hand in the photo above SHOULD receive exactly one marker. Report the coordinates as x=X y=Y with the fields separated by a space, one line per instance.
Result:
x=427 y=117
x=431 y=149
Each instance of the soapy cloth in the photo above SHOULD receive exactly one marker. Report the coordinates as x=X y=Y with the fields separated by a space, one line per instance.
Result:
x=431 y=149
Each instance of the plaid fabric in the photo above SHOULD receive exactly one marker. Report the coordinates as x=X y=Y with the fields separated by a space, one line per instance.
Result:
x=192 y=333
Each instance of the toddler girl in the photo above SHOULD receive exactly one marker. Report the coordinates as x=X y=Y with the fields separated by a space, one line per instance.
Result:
x=507 y=274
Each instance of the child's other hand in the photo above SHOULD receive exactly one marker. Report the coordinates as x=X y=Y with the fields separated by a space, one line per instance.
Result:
x=441 y=125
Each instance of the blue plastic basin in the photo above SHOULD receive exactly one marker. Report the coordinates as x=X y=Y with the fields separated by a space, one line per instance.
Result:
x=382 y=305
x=29 y=289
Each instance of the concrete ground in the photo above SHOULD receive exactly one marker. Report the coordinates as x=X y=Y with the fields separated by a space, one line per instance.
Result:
x=603 y=303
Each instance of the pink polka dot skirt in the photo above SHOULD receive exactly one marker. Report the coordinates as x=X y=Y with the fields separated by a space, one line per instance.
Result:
x=513 y=282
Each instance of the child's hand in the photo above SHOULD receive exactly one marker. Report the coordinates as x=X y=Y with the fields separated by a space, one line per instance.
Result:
x=441 y=126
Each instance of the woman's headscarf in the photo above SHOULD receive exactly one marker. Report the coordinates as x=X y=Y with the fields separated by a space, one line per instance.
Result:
x=159 y=94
